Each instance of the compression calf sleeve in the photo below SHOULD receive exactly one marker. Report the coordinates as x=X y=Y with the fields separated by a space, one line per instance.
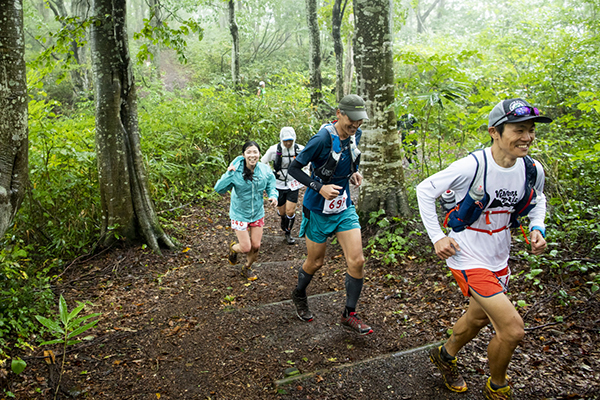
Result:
x=353 y=289
x=304 y=279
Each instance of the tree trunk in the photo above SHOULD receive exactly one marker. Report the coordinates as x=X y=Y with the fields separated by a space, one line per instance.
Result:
x=338 y=47
x=13 y=117
x=349 y=69
x=78 y=74
x=383 y=184
x=155 y=22
x=235 y=49
x=314 y=62
x=127 y=209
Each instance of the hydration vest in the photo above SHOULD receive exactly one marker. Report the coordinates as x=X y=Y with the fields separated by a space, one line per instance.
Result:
x=468 y=210
x=325 y=172
x=279 y=157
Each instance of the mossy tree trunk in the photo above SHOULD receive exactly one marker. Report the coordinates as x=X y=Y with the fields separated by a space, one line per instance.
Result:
x=235 y=49
x=381 y=165
x=338 y=47
x=314 y=63
x=13 y=115
x=127 y=209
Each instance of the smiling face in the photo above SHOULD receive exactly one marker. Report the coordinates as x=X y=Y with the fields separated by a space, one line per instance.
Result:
x=345 y=126
x=513 y=143
x=251 y=155
x=288 y=143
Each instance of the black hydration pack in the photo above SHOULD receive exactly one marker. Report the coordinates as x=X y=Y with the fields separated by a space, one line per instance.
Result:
x=469 y=209
x=279 y=158
x=326 y=171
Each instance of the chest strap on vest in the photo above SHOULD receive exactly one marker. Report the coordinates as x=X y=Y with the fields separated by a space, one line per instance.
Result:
x=488 y=231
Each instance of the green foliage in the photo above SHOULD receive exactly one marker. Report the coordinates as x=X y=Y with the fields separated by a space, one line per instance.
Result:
x=24 y=292
x=60 y=214
x=165 y=36
x=396 y=240
x=188 y=139
x=66 y=327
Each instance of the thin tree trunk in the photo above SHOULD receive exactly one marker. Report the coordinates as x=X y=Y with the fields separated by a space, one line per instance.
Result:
x=13 y=117
x=127 y=209
x=314 y=63
x=349 y=69
x=235 y=49
x=383 y=184
x=155 y=22
x=338 y=47
x=77 y=74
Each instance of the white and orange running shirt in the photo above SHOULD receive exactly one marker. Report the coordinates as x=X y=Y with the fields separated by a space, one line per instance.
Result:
x=505 y=186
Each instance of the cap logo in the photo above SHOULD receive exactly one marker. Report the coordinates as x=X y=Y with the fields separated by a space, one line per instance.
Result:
x=516 y=104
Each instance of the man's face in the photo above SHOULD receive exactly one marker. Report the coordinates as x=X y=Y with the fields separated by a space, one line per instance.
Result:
x=345 y=126
x=515 y=140
x=288 y=143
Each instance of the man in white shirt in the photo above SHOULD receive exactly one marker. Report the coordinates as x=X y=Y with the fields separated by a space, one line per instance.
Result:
x=477 y=251
x=282 y=155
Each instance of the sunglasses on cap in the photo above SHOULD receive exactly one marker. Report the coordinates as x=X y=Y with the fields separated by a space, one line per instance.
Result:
x=522 y=111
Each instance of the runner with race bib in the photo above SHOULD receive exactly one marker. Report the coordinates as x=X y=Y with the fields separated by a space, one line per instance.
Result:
x=282 y=154
x=328 y=209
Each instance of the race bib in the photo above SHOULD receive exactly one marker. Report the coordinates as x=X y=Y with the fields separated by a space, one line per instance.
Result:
x=336 y=205
x=239 y=225
x=294 y=185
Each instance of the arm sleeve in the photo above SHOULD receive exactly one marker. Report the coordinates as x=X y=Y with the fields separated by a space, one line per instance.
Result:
x=313 y=148
x=456 y=177
x=537 y=214
x=295 y=171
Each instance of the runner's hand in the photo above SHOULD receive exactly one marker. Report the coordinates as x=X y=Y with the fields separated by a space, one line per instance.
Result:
x=356 y=179
x=330 y=192
x=273 y=201
x=446 y=247
x=231 y=168
x=538 y=243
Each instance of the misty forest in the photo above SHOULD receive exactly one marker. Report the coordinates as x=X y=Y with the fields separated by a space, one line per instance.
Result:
x=118 y=117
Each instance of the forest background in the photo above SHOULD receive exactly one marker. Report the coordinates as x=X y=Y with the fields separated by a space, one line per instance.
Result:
x=453 y=60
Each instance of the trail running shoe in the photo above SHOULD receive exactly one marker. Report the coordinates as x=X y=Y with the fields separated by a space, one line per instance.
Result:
x=504 y=393
x=353 y=322
x=232 y=257
x=449 y=371
x=301 y=304
x=248 y=274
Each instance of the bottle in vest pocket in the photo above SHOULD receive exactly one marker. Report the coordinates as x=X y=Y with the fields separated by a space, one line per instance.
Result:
x=448 y=200
x=466 y=212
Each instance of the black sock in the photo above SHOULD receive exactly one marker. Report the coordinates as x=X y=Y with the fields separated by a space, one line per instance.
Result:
x=445 y=356
x=353 y=289
x=304 y=279
x=496 y=387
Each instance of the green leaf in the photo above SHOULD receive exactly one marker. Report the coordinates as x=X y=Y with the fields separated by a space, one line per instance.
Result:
x=17 y=365
x=48 y=323
x=82 y=329
x=62 y=310
x=55 y=341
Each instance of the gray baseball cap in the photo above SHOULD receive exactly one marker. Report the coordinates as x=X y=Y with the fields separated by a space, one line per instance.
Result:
x=354 y=107
x=515 y=110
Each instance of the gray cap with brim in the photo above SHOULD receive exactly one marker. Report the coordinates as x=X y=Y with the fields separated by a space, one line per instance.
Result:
x=501 y=113
x=354 y=107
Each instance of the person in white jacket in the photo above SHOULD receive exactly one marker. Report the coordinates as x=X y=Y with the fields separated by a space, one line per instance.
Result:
x=282 y=155
x=478 y=254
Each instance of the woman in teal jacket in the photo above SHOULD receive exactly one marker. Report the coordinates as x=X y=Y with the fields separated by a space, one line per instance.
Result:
x=247 y=179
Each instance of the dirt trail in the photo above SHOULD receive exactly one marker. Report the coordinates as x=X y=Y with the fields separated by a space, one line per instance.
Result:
x=187 y=326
